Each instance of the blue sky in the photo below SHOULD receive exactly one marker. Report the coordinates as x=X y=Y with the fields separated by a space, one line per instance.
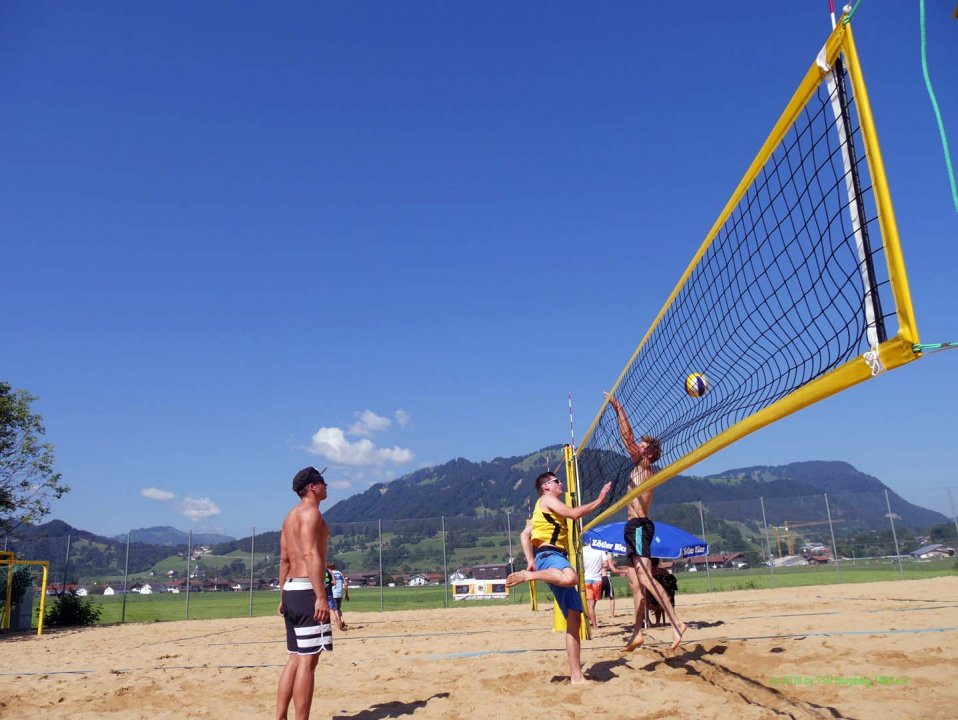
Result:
x=242 y=238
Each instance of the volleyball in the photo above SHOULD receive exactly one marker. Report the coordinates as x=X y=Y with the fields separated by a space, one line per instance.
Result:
x=696 y=385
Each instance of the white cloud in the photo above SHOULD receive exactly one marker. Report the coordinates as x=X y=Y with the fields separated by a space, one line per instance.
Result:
x=403 y=418
x=341 y=484
x=331 y=443
x=194 y=509
x=369 y=423
x=197 y=509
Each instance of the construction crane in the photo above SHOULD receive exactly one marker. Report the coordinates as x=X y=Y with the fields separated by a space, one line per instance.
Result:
x=788 y=537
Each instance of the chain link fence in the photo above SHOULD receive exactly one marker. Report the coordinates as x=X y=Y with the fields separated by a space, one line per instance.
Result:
x=393 y=564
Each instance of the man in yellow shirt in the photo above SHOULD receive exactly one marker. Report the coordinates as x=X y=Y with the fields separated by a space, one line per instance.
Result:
x=545 y=542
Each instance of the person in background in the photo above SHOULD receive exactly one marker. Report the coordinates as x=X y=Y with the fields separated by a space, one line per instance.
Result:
x=340 y=593
x=592 y=571
x=608 y=570
x=667 y=580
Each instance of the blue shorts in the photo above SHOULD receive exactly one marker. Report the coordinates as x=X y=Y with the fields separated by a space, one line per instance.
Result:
x=567 y=597
x=332 y=602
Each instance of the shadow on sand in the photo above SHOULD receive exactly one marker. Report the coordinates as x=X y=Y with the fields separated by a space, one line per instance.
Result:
x=390 y=709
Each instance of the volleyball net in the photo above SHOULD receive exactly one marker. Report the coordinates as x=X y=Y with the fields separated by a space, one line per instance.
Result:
x=798 y=292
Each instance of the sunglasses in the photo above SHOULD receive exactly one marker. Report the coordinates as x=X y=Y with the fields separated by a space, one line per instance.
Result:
x=322 y=480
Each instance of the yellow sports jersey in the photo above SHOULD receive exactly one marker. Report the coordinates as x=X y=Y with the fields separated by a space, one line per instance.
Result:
x=548 y=529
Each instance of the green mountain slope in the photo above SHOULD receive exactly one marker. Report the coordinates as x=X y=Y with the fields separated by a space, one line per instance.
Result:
x=792 y=493
x=459 y=487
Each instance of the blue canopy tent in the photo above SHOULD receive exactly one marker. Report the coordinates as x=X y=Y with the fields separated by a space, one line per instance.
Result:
x=669 y=541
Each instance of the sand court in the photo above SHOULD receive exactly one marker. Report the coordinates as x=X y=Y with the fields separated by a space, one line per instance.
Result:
x=839 y=651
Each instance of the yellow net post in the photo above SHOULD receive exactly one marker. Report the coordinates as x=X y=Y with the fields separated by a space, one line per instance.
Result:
x=43 y=596
x=7 y=558
x=575 y=547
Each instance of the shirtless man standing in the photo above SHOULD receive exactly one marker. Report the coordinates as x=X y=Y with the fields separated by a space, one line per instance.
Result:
x=302 y=565
x=640 y=528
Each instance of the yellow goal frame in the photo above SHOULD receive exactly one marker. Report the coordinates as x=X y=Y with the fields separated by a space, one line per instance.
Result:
x=10 y=560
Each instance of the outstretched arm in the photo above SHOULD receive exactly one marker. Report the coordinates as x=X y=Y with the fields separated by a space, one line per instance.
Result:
x=555 y=505
x=625 y=429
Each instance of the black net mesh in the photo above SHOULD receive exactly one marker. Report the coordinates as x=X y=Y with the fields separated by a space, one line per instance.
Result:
x=776 y=300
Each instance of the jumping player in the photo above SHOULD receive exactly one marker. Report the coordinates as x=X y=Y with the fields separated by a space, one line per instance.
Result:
x=545 y=542
x=639 y=530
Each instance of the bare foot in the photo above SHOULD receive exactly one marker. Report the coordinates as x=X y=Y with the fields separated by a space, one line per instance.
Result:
x=517 y=577
x=581 y=680
x=634 y=644
x=678 y=635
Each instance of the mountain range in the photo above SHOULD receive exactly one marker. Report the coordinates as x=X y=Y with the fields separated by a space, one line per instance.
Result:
x=735 y=505
x=458 y=487
x=791 y=493
x=170 y=536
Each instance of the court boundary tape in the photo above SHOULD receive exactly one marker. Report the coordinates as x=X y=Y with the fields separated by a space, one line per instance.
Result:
x=481 y=653
x=339 y=637
x=718 y=638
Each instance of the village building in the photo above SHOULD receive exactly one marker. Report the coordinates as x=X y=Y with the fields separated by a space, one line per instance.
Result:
x=933 y=552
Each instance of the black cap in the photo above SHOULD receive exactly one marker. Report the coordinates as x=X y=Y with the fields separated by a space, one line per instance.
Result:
x=305 y=477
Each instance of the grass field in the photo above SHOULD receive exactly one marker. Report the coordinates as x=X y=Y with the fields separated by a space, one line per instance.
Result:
x=160 y=607
x=207 y=605
x=851 y=572
x=428 y=553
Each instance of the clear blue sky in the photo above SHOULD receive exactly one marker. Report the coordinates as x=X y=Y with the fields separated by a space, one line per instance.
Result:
x=237 y=236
